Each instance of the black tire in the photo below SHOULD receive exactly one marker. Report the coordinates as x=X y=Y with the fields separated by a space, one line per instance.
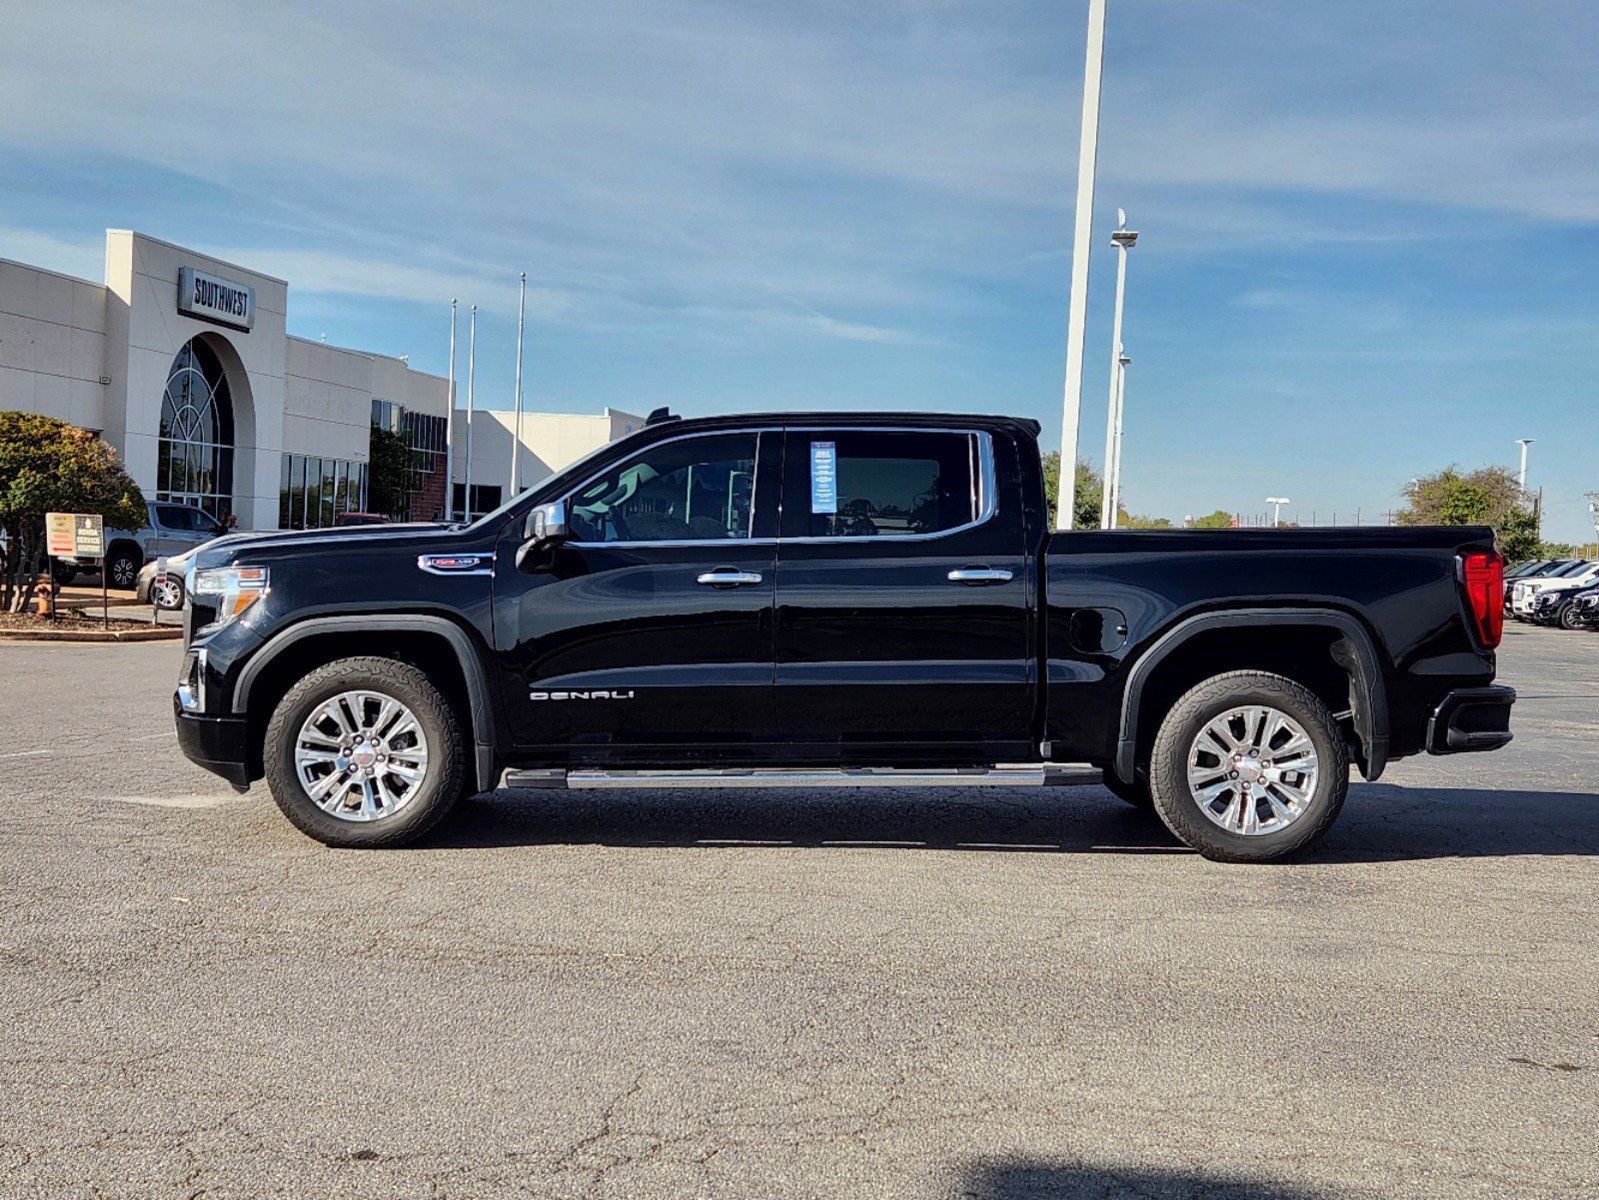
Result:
x=62 y=573
x=1566 y=618
x=175 y=585
x=1168 y=768
x=121 y=568
x=1135 y=793
x=440 y=787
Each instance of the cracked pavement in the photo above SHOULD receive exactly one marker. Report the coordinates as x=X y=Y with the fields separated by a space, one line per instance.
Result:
x=770 y=994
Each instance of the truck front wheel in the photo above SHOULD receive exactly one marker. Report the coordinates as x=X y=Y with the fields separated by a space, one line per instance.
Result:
x=365 y=752
x=1248 y=767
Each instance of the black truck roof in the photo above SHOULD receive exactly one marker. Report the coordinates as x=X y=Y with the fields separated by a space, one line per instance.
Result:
x=914 y=420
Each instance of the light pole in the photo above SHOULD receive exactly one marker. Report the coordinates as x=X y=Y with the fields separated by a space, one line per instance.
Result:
x=471 y=375
x=449 y=429
x=1524 y=443
x=1277 y=503
x=516 y=438
x=1115 y=485
x=1123 y=239
x=1077 y=309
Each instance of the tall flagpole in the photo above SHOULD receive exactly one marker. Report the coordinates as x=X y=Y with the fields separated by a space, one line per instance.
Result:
x=516 y=435
x=471 y=374
x=449 y=429
x=1077 y=310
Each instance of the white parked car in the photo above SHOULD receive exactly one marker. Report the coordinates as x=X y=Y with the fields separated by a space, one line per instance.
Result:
x=1525 y=592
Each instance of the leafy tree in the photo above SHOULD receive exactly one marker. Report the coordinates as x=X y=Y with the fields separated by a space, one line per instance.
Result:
x=1487 y=496
x=1090 y=490
x=1219 y=519
x=388 y=480
x=47 y=465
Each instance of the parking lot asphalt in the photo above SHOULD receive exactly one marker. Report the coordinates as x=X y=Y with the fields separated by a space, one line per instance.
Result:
x=771 y=994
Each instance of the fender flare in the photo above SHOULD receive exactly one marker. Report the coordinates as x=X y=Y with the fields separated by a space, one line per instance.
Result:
x=477 y=684
x=1360 y=660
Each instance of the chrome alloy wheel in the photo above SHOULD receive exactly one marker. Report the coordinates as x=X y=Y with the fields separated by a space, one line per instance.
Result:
x=361 y=756
x=1253 y=770
x=168 y=594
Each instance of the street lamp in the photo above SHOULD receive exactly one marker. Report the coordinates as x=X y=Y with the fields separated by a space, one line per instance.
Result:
x=1114 y=473
x=1123 y=239
x=1082 y=238
x=1524 y=443
x=1277 y=503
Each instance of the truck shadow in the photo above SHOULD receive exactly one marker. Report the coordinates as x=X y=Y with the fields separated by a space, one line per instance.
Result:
x=1030 y=1180
x=1380 y=821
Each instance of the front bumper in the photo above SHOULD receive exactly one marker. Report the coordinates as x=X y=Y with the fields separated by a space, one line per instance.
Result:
x=1471 y=719
x=219 y=744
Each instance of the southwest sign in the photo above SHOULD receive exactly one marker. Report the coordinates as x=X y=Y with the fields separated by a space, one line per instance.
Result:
x=212 y=298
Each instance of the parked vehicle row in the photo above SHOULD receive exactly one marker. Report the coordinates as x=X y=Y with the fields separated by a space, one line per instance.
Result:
x=1562 y=592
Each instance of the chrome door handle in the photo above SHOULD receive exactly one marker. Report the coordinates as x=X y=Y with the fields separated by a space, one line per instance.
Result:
x=726 y=578
x=979 y=575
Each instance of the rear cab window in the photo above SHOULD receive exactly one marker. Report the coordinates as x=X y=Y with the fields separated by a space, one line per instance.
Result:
x=859 y=483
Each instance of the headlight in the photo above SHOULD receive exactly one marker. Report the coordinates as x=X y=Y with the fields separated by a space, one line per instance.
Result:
x=236 y=588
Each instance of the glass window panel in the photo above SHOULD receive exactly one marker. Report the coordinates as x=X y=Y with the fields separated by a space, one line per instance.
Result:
x=326 y=517
x=888 y=484
x=695 y=489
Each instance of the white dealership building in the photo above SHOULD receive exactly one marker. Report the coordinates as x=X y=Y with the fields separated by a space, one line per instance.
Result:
x=184 y=364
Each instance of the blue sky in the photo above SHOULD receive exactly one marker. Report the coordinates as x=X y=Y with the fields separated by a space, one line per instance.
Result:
x=1371 y=230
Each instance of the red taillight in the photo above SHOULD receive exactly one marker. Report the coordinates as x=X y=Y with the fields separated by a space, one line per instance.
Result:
x=1483 y=574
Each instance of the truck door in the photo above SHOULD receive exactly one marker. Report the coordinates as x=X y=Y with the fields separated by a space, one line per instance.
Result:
x=903 y=584
x=647 y=637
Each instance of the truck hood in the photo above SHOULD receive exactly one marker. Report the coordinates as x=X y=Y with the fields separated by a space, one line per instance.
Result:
x=221 y=550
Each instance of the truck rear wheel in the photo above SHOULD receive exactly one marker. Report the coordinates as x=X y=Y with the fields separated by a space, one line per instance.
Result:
x=365 y=752
x=1249 y=767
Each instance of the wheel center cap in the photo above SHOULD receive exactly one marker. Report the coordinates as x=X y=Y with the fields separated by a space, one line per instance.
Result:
x=1250 y=770
x=364 y=756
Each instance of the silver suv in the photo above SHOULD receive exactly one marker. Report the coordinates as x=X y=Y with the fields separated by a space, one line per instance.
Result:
x=173 y=529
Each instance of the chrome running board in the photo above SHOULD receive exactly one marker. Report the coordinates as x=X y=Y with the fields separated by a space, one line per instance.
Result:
x=1022 y=775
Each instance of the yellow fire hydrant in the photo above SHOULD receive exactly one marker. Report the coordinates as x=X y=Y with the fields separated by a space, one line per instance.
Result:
x=44 y=596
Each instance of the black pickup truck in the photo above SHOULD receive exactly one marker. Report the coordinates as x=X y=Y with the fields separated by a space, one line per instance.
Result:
x=822 y=600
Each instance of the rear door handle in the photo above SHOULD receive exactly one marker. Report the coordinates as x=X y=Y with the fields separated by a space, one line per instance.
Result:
x=979 y=575
x=726 y=577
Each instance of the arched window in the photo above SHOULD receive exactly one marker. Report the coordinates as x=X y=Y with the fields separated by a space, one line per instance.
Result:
x=194 y=463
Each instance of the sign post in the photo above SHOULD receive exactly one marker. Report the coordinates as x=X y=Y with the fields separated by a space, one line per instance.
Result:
x=79 y=535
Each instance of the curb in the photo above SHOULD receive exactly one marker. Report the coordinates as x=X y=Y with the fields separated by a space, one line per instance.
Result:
x=159 y=633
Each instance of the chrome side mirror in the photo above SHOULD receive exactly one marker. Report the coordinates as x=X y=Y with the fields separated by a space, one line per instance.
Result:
x=547 y=523
x=543 y=530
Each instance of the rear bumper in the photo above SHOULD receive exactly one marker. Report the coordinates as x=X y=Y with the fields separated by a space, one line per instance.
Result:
x=219 y=744
x=1471 y=719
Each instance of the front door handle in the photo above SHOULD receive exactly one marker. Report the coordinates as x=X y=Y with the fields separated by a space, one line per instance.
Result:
x=727 y=577
x=979 y=575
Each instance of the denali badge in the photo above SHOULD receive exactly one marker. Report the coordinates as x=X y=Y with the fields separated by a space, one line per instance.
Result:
x=590 y=695
x=456 y=564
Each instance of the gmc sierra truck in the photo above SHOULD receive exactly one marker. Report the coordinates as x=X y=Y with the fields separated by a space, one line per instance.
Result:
x=806 y=600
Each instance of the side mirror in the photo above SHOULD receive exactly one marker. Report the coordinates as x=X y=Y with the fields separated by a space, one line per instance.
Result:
x=544 y=529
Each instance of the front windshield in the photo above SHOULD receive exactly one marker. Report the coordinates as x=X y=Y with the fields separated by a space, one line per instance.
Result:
x=1570 y=569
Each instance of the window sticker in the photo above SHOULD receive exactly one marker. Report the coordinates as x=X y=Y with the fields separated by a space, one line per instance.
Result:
x=824 y=477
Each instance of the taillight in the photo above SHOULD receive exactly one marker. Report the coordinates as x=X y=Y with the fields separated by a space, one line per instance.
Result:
x=1482 y=572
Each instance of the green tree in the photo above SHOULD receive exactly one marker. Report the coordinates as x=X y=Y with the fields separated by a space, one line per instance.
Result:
x=1487 y=496
x=388 y=480
x=1090 y=491
x=47 y=465
x=1216 y=520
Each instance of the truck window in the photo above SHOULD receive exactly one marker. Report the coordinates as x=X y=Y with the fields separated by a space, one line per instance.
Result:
x=868 y=483
x=694 y=489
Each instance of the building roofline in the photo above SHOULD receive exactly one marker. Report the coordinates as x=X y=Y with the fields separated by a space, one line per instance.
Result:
x=17 y=262
x=237 y=266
